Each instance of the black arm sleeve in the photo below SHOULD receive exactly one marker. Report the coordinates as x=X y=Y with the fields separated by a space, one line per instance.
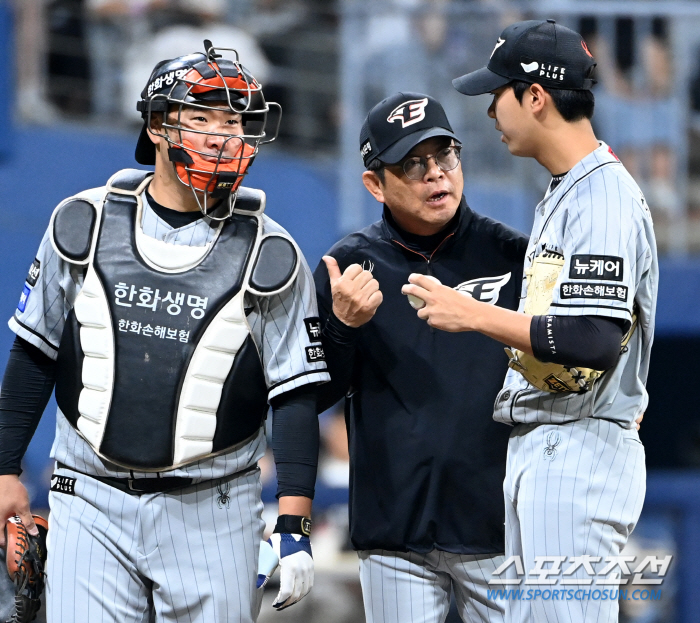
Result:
x=586 y=341
x=295 y=441
x=26 y=388
x=339 y=346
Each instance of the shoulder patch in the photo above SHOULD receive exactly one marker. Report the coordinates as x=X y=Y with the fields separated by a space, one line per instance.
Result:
x=593 y=291
x=605 y=267
x=314 y=354
x=23 y=298
x=34 y=271
x=30 y=282
x=73 y=228
x=313 y=328
x=276 y=264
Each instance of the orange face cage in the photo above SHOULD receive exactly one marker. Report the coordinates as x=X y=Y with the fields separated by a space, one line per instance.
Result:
x=231 y=88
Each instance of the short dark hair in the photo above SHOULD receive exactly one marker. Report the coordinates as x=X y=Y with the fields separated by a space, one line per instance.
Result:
x=377 y=166
x=571 y=105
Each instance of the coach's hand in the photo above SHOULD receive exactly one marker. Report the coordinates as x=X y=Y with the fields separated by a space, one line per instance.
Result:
x=296 y=567
x=14 y=501
x=356 y=294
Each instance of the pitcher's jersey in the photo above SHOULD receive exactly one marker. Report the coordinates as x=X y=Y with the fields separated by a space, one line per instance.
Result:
x=277 y=324
x=598 y=220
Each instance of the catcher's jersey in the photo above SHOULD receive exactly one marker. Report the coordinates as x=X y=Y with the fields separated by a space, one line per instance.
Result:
x=598 y=220
x=279 y=325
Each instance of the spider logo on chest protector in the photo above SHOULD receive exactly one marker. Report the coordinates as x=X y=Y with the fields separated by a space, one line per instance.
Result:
x=553 y=440
x=224 y=498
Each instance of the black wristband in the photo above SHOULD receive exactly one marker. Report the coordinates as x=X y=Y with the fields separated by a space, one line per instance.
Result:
x=293 y=524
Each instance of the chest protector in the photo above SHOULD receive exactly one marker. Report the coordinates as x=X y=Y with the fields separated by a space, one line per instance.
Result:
x=157 y=367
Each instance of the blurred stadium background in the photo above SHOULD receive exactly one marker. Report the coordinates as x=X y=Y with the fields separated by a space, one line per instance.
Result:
x=70 y=74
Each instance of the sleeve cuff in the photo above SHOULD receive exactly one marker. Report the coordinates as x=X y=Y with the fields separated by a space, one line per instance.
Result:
x=10 y=471
x=591 y=309
x=305 y=378
x=34 y=338
x=338 y=331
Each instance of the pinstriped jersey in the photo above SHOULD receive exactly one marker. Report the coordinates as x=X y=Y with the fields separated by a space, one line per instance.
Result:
x=596 y=219
x=277 y=325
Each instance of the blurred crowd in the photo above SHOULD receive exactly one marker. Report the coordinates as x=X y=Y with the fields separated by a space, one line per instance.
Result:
x=647 y=96
x=88 y=60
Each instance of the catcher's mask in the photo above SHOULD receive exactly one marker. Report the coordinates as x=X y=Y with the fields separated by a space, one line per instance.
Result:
x=209 y=82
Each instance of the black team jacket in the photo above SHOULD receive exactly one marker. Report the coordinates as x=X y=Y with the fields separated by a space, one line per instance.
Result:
x=427 y=460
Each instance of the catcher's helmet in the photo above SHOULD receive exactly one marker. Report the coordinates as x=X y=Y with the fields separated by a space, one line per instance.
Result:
x=206 y=81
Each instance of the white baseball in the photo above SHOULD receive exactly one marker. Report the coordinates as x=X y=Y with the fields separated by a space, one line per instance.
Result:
x=415 y=301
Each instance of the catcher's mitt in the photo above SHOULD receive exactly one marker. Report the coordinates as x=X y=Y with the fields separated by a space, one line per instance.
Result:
x=26 y=557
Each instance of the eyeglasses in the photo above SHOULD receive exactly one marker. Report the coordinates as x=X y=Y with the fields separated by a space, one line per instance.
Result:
x=446 y=160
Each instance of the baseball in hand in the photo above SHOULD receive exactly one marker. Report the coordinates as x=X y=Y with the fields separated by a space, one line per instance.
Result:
x=419 y=303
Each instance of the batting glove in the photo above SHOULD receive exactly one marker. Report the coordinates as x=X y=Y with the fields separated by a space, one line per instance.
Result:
x=268 y=561
x=295 y=560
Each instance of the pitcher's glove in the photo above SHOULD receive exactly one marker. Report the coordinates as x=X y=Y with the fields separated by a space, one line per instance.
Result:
x=26 y=559
x=290 y=541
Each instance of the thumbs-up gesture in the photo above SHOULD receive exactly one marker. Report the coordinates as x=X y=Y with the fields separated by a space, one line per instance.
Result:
x=355 y=292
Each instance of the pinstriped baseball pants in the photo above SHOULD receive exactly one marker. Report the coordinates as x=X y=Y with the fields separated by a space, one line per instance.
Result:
x=571 y=490
x=406 y=587
x=189 y=555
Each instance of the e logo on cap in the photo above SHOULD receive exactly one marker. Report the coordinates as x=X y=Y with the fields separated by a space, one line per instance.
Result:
x=409 y=112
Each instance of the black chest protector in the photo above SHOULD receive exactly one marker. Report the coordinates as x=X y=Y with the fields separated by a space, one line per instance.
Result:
x=157 y=364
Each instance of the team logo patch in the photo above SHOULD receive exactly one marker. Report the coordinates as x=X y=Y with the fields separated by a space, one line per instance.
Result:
x=593 y=291
x=553 y=440
x=530 y=67
x=484 y=289
x=63 y=484
x=314 y=354
x=223 y=499
x=605 y=267
x=313 y=328
x=34 y=271
x=409 y=112
x=23 y=298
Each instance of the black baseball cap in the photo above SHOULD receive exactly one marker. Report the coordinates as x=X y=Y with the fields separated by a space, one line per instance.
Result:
x=534 y=51
x=398 y=123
